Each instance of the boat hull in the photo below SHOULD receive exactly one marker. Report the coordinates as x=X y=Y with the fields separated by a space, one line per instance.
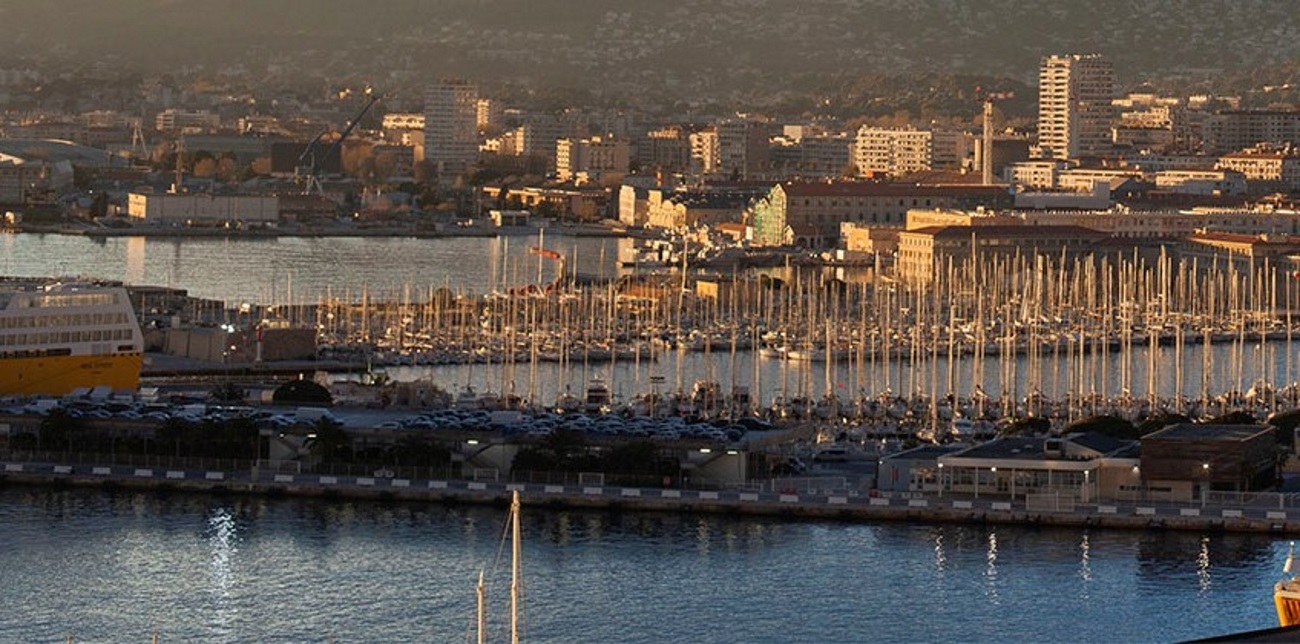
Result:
x=60 y=375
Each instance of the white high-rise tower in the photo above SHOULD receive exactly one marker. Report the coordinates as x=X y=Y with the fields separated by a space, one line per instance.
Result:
x=451 y=126
x=1074 y=106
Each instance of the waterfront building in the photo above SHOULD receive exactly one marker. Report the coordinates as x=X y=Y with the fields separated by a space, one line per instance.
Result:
x=1126 y=224
x=1185 y=462
x=809 y=214
x=583 y=204
x=22 y=183
x=921 y=250
x=1049 y=473
x=244 y=149
x=450 y=127
x=679 y=210
x=1075 y=111
x=590 y=159
x=1245 y=251
x=202 y=208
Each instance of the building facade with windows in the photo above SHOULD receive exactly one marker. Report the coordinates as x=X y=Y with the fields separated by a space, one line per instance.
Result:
x=1075 y=106
x=809 y=214
x=451 y=127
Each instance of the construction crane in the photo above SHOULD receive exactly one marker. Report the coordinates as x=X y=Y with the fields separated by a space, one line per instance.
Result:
x=310 y=163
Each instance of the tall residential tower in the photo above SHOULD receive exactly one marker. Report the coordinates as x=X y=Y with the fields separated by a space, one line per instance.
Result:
x=1074 y=106
x=451 y=126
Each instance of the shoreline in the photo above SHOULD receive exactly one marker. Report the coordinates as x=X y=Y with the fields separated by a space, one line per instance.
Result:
x=828 y=505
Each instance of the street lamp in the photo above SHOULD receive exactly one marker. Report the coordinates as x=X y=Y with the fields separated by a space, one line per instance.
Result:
x=1087 y=486
x=941 y=480
x=1205 y=482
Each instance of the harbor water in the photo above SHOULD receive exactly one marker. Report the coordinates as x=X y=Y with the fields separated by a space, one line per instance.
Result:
x=102 y=566
x=302 y=269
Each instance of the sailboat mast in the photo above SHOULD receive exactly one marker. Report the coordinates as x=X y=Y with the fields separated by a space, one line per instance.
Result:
x=482 y=610
x=514 y=567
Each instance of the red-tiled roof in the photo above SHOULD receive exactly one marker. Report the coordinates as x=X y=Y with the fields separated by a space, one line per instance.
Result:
x=877 y=189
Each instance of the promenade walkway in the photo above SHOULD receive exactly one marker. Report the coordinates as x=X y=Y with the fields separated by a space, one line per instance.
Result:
x=1268 y=513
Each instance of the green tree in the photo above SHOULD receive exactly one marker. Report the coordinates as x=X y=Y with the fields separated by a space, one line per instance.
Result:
x=332 y=444
x=1112 y=426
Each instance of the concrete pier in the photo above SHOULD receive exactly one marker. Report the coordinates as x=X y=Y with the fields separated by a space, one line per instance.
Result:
x=836 y=505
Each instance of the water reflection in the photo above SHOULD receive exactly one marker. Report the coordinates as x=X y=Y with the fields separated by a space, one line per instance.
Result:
x=991 y=572
x=223 y=547
x=135 y=260
x=940 y=557
x=1085 y=562
x=1203 y=565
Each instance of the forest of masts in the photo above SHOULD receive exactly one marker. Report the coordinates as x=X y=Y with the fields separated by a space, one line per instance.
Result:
x=893 y=338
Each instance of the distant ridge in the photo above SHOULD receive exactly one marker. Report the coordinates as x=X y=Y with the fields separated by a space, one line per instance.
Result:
x=669 y=45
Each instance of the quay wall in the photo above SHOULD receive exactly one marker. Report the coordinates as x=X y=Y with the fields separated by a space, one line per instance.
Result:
x=829 y=505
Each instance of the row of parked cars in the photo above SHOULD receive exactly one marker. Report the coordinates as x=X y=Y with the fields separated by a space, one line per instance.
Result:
x=162 y=412
x=547 y=422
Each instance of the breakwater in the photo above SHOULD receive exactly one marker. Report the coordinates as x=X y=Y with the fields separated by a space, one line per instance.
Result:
x=1263 y=517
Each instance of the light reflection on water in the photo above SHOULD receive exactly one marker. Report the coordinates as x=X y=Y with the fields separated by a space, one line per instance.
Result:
x=223 y=542
x=111 y=567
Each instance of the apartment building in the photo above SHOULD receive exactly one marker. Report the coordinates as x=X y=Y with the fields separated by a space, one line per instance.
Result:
x=174 y=120
x=901 y=151
x=1075 y=110
x=735 y=149
x=450 y=127
x=667 y=148
x=590 y=159
x=1229 y=130
x=1266 y=170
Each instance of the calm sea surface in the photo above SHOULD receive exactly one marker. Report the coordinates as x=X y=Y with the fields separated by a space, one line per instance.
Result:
x=116 y=567
x=302 y=269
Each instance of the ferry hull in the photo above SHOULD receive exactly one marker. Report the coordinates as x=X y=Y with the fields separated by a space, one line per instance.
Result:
x=1287 y=599
x=59 y=375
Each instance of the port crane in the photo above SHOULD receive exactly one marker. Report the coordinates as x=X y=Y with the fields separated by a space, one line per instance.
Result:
x=312 y=159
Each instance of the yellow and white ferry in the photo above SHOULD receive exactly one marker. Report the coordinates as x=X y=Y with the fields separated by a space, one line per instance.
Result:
x=57 y=338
